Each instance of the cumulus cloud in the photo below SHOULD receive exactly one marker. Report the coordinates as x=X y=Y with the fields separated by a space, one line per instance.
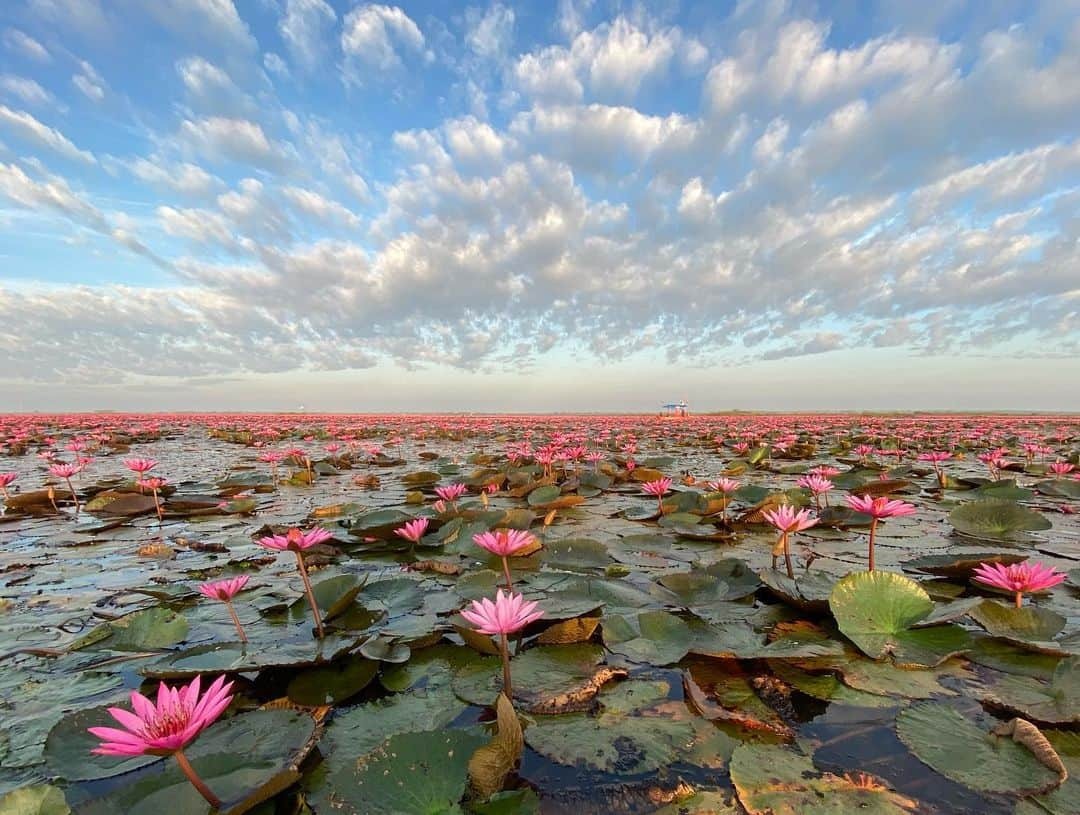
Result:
x=615 y=187
x=305 y=27
x=376 y=36
x=35 y=132
x=224 y=138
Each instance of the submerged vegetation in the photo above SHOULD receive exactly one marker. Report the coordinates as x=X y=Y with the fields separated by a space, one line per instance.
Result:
x=413 y=615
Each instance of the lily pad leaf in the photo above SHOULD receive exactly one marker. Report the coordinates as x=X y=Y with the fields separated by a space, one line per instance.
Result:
x=416 y=773
x=36 y=799
x=1056 y=702
x=774 y=780
x=995 y=519
x=953 y=745
x=622 y=739
x=879 y=612
x=653 y=637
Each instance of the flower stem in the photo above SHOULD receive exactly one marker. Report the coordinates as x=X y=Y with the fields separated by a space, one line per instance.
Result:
x=196 y=782
x=1019 y=599
x=74 y=497
x=873 y=529
x=504 y=649
x=506 y=573
x=787 y=558
x=236 y=622
x=310 y=595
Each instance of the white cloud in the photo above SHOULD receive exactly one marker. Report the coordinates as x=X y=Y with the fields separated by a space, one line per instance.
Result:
x=491 y=33
x=16 y=40
x=210 y=89
x=222 y=138
x=372 y=35
x=305 y=26
x=184 y=178
x=35 y=132
x=27 y=90
x=89 y=82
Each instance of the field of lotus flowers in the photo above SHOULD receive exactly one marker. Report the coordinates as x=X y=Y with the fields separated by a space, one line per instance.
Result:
x=411 y=615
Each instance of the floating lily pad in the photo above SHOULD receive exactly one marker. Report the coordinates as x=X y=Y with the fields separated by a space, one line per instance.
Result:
x=412 y=773
x=36 y=799
x=994 y=519
x=538 y=674
x=878 y=611
x=332 y=684
x=773 y=780
x=620 y=739
x=147 y=630
x=958 y=565
x=1054 y=702
x=1022 y=625
x=809 y=592
x=652 y=637
x=961 y=750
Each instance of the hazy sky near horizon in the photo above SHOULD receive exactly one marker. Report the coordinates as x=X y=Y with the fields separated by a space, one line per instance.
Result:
x=572 y=205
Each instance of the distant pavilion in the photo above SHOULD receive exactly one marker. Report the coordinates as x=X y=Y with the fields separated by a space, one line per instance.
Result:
x=679 y=409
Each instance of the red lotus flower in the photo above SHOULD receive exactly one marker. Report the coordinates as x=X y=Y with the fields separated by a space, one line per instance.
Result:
x=296 y=541
x=1019 y=578
x=509 y=613
x=505 y=543
x=225 y=591
x=167 y=727
x=877 y=509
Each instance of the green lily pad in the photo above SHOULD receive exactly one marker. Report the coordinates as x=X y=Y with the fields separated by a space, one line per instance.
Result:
x=774 y=780
x=651 y=638
x=36 y=799
x=961 y=750
x=244 y=760
x=575 y=554
x=995 y=519
x=809 y=592
x=958 y=565
x=413 y=773
x=827 y=687
x=538 y=674
x=878 y=611
x=1053 y=702
x=621 y=739
x=147 y=630
x=332 y=684
x=544 y=495
x=1021 y=625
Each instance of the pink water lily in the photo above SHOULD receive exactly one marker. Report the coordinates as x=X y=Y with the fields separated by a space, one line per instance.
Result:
x=787 y=521
x=450 y=493
x=154 y=484
x=505 y=543
x=877 y=509
x=225 y=590
x=659 y=488
x=413 y=530
x=66 y=472
x=6 y=480
x=167 y=727
x=507 y=614
x=297 y=541
x=1019 y=578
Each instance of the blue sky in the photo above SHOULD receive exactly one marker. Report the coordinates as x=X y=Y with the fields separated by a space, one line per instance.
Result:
x=568 y=205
